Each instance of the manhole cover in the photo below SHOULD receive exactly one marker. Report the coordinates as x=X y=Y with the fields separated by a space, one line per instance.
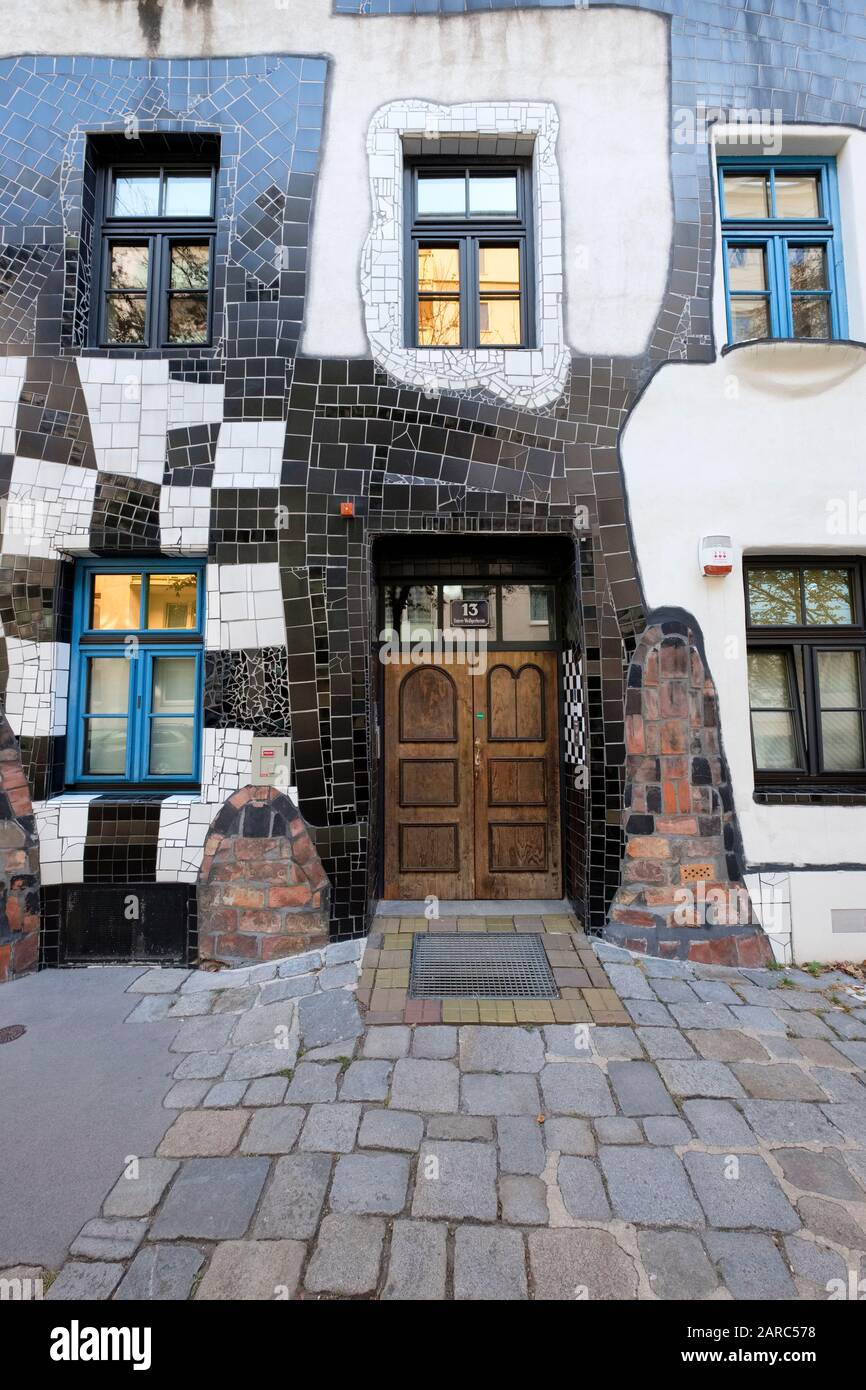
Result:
x=480 y=965
x=13 y=1031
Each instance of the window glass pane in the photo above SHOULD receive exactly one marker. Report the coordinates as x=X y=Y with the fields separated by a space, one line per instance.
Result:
x=445 y=196
x=775 y=744
x=105 y=747
x=127 y=266
x=116 y=601
x=746 y=195
x=842 y=741
x=125 y=318
x=768 y=681
x=828 y=597
x=171 y=600
x=499 y=322
x=493 y=195
x=108 y=685
x=188 y=195
x=187 y=318
x=811 y=316
x=468 y=593
x=807 y=267
x=499 y=269
x=797 y=195
x=774 y=597
x=439 y=322
x=411 y=610
x=171 y=747
x=189 y=266
x=136 y=195
x=838 y=680
x=746 y=268
x=173 y=685
x=526 y=613
x=438 y=269
x=750 y=318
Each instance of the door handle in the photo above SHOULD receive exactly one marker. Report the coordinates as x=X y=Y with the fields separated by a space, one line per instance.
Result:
x=477 y=758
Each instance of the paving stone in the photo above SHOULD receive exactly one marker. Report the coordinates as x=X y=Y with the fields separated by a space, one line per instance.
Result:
x=429 y=1086
x=649 y=1012
x=780 y=1048
x=391 y=1129
x=312 y=1081
x=523 y=1201
x=582 y=1189
x=189 y=1005
x=482 y=1093
x=267 y=1090
x=300 y=965
x=331 y=1128
x=293 y=1200
x=715 y=992
x=366 y=1081
x=293 y=988
x=815 y=1263
x=718 y=1123
x=109 y=1238
x=342 y=1051
x=231 y=1001
x=340 y=951
x=649 y=1186
x=655 y=967
x=576 y=1088
x=273 y=1130
x=80 y=1282
x=855 y=1052
x=801 y=1000
x=263 y=1059
x=832 y=1221
x=327 y=1018
x=139 y=1193
x=202 y=1066
x=489 y=1265
x=824 y=1173
x=616 y=1129
x=712 y=1079
x=572 y=1040
x=347 y=1255
x=204 y=1132
x=666 y=1129
x=666 y=1042
x=853 y=1030
x=822 y=1053
x=567 y=1136
x=753 y=1198
x=160 y=981
x=417 y=1267
x=223 y=1094
x=186 y=1094
x=521 y=1145
x=387 y=1043
x=639 y=1089
x=567 y=1265
x=840 y=1085
x=849 y=1118
x=459 y=1127
x=629 y=982
x=807 y=1026
x=759 y=1020
x=605 y=951
x=266 y=1023
x=488 y=1048
x=151 y=1008
x=436 y=1041
x=161 y=1272
x=212 y=1198
x=253 y=1269
x=790 y=1121
x=338 y=976
x=208 y=1034
x=674 y=991
x=751 y=1266
x=456 y=1180
x=703 y=1015
x=722 y=1045
x=779 y=1081
x=676 y=1264
x=614 y=1044
x=761 y=998
x=371 y=1184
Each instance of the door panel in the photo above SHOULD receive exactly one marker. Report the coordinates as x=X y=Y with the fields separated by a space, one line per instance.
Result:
x=517 y=844
x=428 y=820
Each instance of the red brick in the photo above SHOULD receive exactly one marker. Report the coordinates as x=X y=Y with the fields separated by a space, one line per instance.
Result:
x=636 y=943
x=289 y=897
x=238 y=895
x=635 y=740
x=643 y=871
x=677 y=825
x=753 y=950
x=236 y=944
x=673 y=700
x=632 y=917
x=5 y=963
x=26 y=953
x=648 y=847
x=673 y=736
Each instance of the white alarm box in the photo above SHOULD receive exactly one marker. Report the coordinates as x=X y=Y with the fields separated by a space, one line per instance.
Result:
x=716 y=555
x=272 y=763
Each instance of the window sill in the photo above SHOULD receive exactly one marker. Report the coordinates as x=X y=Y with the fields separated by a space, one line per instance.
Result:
x=797 y=366
x=765 y=796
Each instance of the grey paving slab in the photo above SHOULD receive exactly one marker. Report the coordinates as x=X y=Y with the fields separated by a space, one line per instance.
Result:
x=674 y=991
x=617 y=1129
x=266 y=1090
x=719 y=1123
x=273 y=1129
x=294 y=1197
x=208 y=1034
x=790 y=1121
x=391 y=1129
x=666 y=1129
x=152 y=1007
x=456 y=1180
x=294 y=988
x=184 y=1094
x=327 y=1018
x=262 y=1059
x=677 y=1265
x=211 y=1198
x=84 y=1282
x=751 y=1266
x=582 y=1189
x=489 y=1265
x=822 y=1173
x=521 y=1144
x=782 y=1081
x=166 y=980
x=576 y=1088
x=759 y=1020
x=724 y=1045
x=700 y=1078
x=483 y=1093
x=703 y=1015
x=715 y=992
x=266 y=1023
x=418 y=1262
x=160 y=1273
x=435 y=1041
x=331 y=1128
x=565 y=1135
x=231 y=1001
x=665 y=1042
x=299 y=965
x=581 y=1264
x=849 y=1118
x=832 y=1221
x=459 y=1127
x=387 y=1043
x=492 y=1049
x=523 y=1200
x=202 y=1066
x=366 y=1080
x=338 y=976
x=816 y=1264
x=140 y=1187
x=313 y=1081
x=253 y=1269
x=629 y=982
x=339 y=952
x=347 y=1255
x=650 y=1012
x=204 y=1133
x=372 y=1184
x=224 y=1094
x=109 y=1238
x=426 y=1085
x=746 y=1195
x=840 y=1085
x=649 y=1186
x=615 y=1044
x=855 y=1052
x=568 y=1041
x=639 y=1089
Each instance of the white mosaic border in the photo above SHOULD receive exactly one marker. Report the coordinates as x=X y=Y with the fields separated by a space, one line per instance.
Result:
x=526 y=377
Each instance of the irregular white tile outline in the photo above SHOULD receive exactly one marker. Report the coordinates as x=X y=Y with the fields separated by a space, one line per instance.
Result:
x=528 y=377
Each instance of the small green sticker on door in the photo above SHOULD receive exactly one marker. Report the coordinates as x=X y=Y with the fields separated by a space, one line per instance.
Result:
x=480 y=714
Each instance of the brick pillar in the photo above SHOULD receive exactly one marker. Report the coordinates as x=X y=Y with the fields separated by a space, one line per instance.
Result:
x=681 y=892
x=262 y=891
x=19 y=864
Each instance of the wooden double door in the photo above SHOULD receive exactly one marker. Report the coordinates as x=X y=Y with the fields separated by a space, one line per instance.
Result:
x=472 y=779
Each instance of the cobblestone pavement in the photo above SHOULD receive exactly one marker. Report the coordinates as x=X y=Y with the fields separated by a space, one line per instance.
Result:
x=715 y=1147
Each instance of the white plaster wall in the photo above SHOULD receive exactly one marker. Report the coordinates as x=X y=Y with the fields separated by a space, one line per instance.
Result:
x=813 y=897
x=605 y=70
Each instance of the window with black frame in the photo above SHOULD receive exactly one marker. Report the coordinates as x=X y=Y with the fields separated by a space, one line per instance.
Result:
x=469 y=255
x=156 y=251
x=807 y=672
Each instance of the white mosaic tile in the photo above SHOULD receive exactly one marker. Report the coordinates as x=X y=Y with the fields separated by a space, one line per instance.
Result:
x=36 y=692
x=192 y=404
x=127 y=402
x=12 y=373
x=249 y=453
x=244 y=607
x=49 y=508
x=184 y=520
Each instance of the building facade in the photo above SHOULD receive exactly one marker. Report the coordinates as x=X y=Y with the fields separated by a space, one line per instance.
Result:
x=432 y=469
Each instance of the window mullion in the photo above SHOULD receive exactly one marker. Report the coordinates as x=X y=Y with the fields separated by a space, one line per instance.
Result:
x=814 y=754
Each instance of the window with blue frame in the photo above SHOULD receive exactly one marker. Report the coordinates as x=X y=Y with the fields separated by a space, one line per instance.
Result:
x=782 y=249
x=135 y=681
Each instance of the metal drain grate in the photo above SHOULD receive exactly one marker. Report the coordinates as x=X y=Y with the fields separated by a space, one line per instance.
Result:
x=480 y=965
